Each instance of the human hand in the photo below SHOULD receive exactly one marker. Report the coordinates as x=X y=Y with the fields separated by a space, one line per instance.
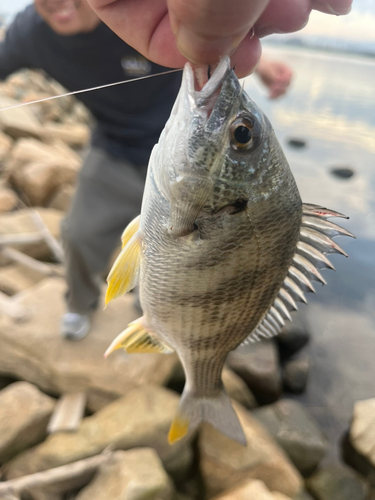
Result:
x=275 y=75
x=169 y=32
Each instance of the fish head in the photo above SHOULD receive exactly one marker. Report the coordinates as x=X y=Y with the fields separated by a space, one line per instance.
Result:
x=213 y=143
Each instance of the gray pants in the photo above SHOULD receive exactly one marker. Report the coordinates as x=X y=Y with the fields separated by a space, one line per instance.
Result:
x=108 y=197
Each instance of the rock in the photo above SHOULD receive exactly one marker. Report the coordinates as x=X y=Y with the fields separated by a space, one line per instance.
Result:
x=74 y=135
x=362 y=429
x=296 y=373
x=46 y=110
x=176 y=381
x=99 y=399
x=295 y=431
x=292 y=338
x=19 y=122
x=342 y=172
x=130 y=475
x=303 y=495
x=5 y=381
x=359 y=445
x=36 y=352
x=183 y=496
x=16 y=278
x=357 y=461
x=38 y=182
x=6 y=144
x=251 y=490
x=63 y=198
x=59 y=154
x=20 y=222
x=24 y=416
x=80 y=114
x=139 y=419
x=238 y=390
x=39 y=169
x=280 y=496
x=337 y=483
x=224 y=463
x=297 y=143
x=257 y=365
x=8 y=200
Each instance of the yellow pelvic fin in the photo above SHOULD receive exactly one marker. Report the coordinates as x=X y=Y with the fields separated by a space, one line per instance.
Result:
x=136 y=339
x=178 y=429
x=124 y=273
x=130 y=230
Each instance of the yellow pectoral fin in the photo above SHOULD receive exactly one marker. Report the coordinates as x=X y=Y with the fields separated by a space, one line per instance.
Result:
x=124 y=273
x=130 y=230
x=136 y=339
x=178 y=429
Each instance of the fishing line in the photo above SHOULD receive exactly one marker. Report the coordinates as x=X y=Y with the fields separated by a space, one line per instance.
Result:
x=75 y=92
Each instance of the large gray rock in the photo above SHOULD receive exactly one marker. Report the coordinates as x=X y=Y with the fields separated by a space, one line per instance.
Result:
x=251 y=490
x=225 y=463
x=295 y=431
x=258 y=365
x=293 y=337
x=24 y=415
x=35 y=351
x=130 y=475
x=337 y=483
x=296 y=373
x=140 y=419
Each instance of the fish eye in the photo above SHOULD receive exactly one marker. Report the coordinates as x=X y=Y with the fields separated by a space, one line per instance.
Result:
x=244 y=134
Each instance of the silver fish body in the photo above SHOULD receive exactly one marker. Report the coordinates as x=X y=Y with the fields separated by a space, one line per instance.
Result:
x=219 y=231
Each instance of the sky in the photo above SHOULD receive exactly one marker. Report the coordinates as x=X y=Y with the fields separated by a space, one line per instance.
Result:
x=358 y=25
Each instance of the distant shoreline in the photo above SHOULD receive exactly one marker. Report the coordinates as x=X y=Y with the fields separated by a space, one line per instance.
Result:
x=298 y=44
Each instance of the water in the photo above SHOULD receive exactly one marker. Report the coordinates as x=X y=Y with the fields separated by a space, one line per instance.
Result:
x=331 y=106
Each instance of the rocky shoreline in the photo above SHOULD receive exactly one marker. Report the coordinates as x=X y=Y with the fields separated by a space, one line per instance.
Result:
x=118 y=447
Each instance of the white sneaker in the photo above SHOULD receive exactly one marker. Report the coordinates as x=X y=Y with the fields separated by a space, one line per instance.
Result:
x=74 y=326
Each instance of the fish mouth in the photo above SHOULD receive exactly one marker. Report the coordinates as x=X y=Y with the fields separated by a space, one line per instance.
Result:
x=205 y=98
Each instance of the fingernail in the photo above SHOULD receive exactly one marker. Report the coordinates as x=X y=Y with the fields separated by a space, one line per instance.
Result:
x=342 y=12
x=326 y=7
x=198 y=50
x=267 y=30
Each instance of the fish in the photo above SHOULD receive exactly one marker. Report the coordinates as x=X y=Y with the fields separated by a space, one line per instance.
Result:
x=223 y=248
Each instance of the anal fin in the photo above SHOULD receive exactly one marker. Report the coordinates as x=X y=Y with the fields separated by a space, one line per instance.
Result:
x=136 y=339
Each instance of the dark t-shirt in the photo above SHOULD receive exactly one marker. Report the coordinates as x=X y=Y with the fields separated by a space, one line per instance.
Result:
x=130 y=117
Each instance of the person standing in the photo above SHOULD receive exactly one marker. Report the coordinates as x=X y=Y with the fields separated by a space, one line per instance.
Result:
x=67 y=40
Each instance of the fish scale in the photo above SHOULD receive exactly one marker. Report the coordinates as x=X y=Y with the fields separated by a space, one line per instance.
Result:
x=224 y=247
